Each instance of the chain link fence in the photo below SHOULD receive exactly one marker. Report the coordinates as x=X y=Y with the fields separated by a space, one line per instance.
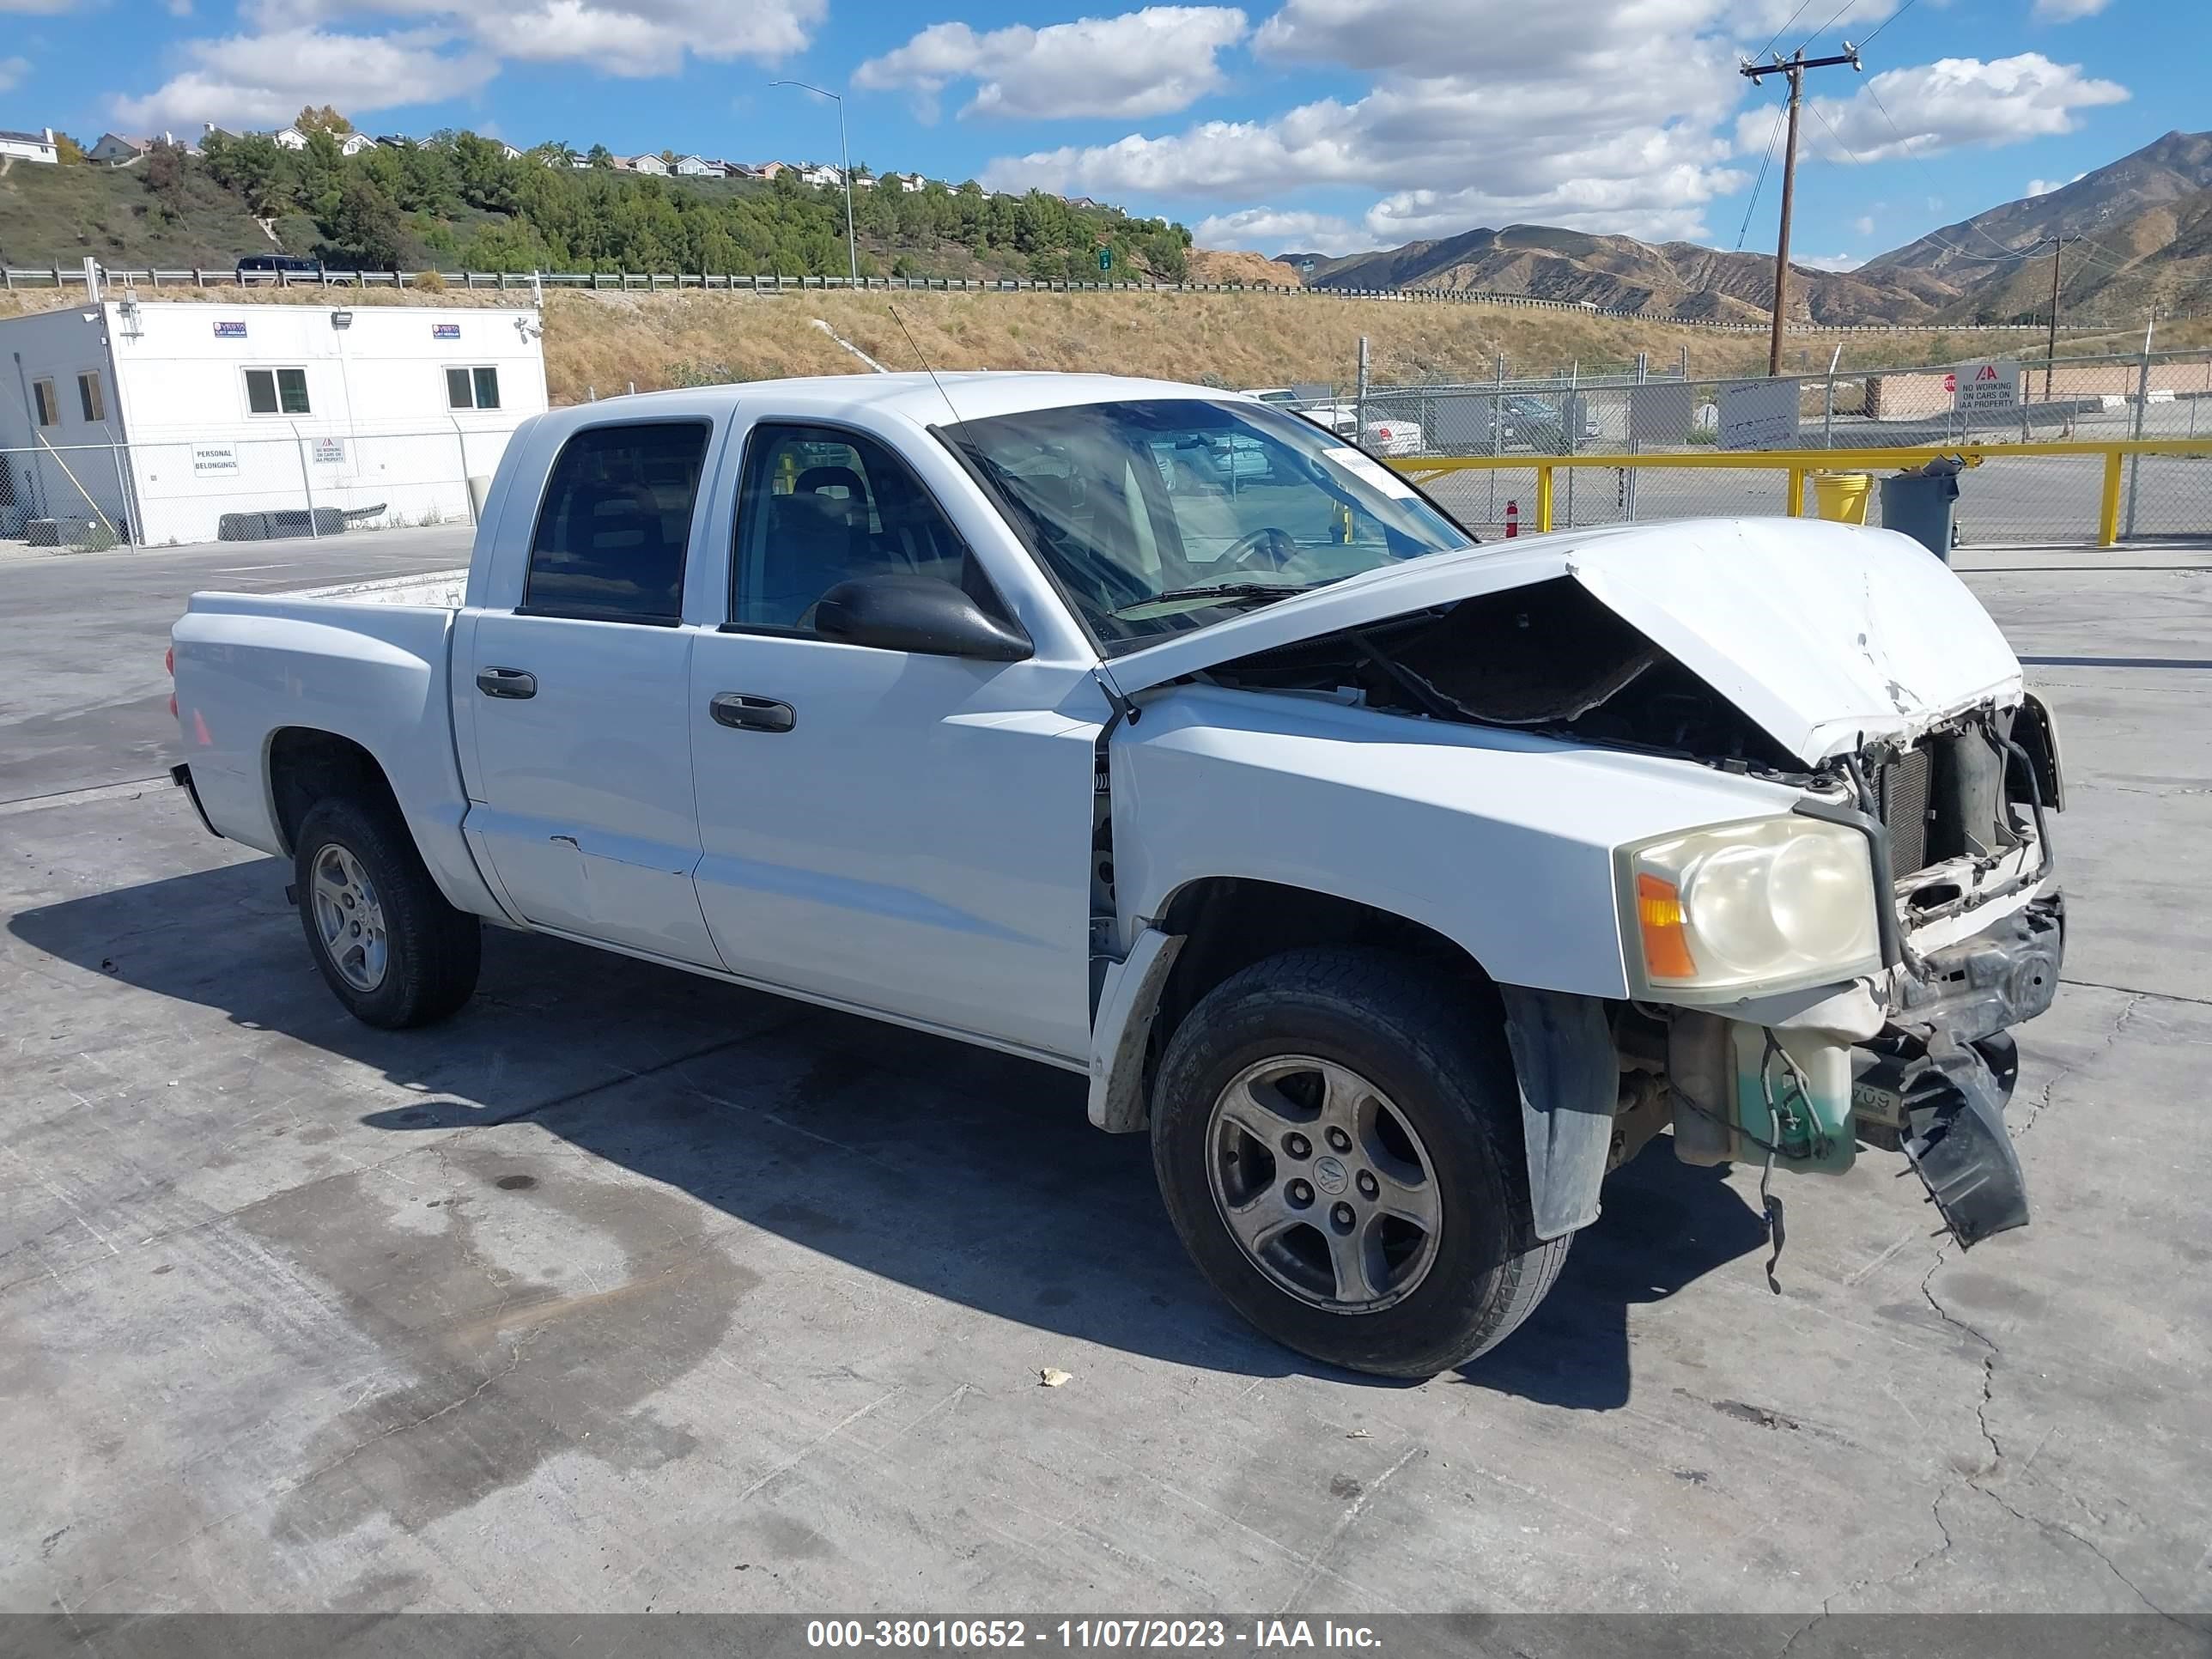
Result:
x=1642 y=411
x=179 y=490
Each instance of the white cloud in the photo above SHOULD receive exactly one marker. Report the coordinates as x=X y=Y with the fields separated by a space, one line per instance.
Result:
x=1143 y=63
x=12 y=71
x=178 y=8
x=1953 y=103
x=38 y=8
x=1827 y=261
x=2067 y=11
x=1604 y=115
x=1267 y=230
x=291 y=58
x=265 y=78
x=1863 y=224
x=2045 y=186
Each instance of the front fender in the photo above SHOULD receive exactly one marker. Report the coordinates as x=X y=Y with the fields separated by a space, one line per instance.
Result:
x=1501 y=841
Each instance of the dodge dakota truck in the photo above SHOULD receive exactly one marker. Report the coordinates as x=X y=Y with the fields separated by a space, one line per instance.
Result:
x=1399 y=887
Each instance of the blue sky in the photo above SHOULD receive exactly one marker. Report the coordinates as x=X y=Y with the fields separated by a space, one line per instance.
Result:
x=1327 y=123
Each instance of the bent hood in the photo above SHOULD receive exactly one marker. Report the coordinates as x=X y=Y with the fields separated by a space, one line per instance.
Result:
x=1824 y=634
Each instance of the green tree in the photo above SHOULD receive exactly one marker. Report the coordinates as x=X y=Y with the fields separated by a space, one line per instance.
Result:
x=600 y=157
x=368 y=226
x=322 y=118
x=67 y=150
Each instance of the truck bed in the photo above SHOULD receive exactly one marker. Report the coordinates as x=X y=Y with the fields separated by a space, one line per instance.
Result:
x=369 y=663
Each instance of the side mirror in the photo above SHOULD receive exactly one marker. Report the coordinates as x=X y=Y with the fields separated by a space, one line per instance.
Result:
x=919 y=614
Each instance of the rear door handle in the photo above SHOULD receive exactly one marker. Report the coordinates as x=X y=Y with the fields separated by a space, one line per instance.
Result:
x=750 y=713
x=506 y=682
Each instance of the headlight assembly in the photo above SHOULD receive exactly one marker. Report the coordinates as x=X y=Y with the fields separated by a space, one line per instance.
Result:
x=1753 y=907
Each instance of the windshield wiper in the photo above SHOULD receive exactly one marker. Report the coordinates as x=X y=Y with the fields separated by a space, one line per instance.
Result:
x=1223 y=590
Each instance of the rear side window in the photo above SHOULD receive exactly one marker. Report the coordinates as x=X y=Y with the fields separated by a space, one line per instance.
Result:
x=616 y=522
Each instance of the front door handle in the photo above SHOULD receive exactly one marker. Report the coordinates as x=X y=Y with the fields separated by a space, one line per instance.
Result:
x=750 y=713
x=506 y=682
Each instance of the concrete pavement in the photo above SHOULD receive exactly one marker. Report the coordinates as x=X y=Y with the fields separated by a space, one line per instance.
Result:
x=629 y=1289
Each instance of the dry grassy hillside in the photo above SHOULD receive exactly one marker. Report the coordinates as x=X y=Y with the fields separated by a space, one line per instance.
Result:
x=605 y=342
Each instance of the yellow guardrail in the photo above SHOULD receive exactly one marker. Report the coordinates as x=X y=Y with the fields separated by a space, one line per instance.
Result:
x=1799 y=463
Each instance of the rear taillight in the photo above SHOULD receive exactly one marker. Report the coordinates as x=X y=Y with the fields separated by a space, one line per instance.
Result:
x=169 y=663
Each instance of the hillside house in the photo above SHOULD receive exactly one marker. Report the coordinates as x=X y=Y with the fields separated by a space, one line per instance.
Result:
x=647 y=163
x=696 y=166
x=30 y=146
x=118 y=150
x=353 y=143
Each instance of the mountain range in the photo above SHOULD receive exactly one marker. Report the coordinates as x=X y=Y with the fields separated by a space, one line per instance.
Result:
x=2138 y=233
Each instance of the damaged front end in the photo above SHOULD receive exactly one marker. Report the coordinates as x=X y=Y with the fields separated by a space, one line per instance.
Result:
x=1917 y=1058
x=1948 y=780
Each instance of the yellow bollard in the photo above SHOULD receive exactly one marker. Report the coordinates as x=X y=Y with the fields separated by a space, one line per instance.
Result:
x=2108 y=508
x=1841 y=497
x=1543 y=498
x=1794 y=500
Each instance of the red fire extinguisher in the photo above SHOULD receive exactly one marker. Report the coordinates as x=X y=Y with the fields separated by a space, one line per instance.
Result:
x=1512 y=519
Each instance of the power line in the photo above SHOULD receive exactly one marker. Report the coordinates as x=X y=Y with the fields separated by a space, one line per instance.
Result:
x=1784 y=29
x=1825 y=27
x=1885 y=23
x=1765 y=161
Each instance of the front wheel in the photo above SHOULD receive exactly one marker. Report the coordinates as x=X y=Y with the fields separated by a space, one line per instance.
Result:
x=1337 y=1139
x=389 y=945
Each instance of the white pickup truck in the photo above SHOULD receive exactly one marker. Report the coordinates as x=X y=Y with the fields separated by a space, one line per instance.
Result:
x=1402 y=887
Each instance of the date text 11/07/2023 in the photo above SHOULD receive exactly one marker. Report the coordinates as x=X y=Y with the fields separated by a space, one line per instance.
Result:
x=1259 y=1636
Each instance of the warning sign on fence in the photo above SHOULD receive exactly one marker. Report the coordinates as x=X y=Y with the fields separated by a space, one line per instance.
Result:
x=215 y=457
x=330 y=451
x=1985 y=388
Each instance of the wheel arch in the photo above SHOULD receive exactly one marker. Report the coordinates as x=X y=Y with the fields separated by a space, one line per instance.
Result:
x=304 y=764
x=1559 y=1044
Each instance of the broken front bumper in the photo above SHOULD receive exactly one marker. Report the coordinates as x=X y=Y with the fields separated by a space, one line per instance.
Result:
x=1935 y=1083
x=1926 y=1071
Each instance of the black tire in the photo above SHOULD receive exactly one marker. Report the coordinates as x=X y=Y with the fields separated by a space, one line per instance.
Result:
x=432 y=951
x=1427 y=1047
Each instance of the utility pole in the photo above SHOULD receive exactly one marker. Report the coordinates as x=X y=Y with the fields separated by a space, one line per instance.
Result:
x=2051 y=343
x=1794 y=66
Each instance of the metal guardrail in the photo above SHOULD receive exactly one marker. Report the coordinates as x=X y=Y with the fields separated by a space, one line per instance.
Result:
x=1797 y=464
x=56 y=277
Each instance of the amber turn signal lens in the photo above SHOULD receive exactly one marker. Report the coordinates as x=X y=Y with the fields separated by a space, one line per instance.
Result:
x=1659 y=918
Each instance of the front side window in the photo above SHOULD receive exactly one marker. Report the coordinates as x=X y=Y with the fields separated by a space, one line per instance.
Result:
x=472 y=388
x=616 y=523
x=90 y=395
x=820 y=506
x=1160 y=516
x=50 y=409
x=277 y=392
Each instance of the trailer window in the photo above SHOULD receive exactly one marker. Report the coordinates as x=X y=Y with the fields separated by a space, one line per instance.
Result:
x=277 y=392
x=50 y=409
x=472 y=388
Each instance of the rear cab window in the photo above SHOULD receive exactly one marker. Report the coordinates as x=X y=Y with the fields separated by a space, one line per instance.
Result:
x=614 y=529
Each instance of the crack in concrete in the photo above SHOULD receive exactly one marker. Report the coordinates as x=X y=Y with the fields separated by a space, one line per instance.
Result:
x=2135 y=1001
x=2137 y=991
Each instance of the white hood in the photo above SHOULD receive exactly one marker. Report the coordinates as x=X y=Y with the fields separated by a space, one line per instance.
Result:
x=1825 y=635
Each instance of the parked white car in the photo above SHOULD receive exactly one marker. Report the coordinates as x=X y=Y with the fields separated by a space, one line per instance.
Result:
x=1378 y=435
x=1401 y=887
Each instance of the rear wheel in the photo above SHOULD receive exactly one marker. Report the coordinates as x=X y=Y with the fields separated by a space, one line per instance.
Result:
x=1338 y=1143
x=389 y=945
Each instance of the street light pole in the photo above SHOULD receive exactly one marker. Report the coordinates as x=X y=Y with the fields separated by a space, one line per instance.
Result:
x=845 y=169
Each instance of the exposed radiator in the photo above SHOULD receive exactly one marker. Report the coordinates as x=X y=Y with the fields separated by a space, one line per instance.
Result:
x=1901 y=790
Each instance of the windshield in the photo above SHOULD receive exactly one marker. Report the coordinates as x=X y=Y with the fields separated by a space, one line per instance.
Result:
x=1161 y=516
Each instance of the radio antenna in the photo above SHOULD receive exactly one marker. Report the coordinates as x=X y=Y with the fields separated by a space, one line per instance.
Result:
x=924 y=361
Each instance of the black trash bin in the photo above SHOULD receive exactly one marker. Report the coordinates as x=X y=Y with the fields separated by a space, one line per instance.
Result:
x=1920 y=504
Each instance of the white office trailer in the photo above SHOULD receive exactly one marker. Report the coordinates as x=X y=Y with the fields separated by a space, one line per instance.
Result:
x=156 y=421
